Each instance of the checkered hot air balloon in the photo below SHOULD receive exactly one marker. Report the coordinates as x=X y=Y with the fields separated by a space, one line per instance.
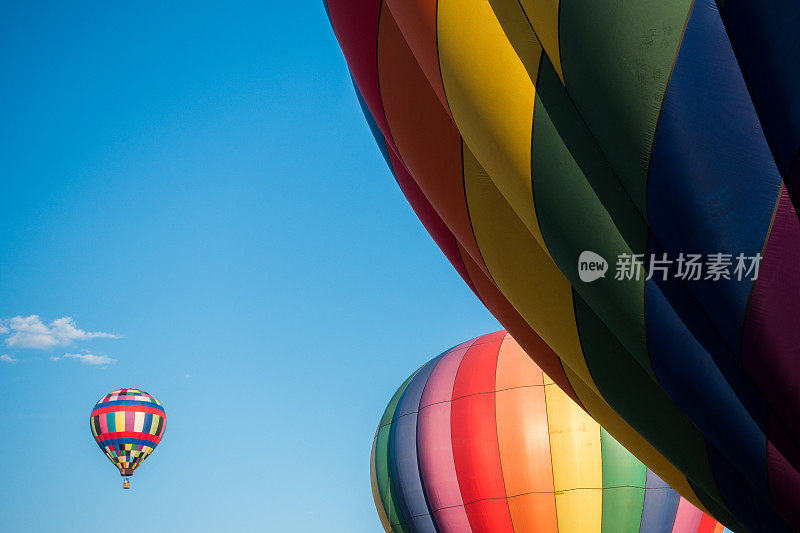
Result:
x=128 y=424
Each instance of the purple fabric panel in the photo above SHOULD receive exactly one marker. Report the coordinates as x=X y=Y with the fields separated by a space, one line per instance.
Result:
x=403 y=456
x=784 y=485
x=771 y=335
x=660 y=506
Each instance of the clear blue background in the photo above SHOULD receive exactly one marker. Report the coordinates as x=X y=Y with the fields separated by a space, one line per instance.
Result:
x=198 y=178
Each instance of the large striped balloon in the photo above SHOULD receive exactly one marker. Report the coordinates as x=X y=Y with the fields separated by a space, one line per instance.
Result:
x=481 y=440
x=525 y=132
x=127 y=425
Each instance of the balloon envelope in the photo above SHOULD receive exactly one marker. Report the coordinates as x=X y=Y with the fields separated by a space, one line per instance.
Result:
x=127 y=425
x=525 y=134
x=480 y=439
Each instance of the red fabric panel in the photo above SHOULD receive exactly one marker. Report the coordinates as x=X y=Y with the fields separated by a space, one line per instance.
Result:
x=355 y=23
x=128 y=435
x=478 y=368
x=707 y=525
x=474 y=438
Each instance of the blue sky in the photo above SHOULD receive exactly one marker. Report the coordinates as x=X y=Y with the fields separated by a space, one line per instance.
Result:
x=199 y=182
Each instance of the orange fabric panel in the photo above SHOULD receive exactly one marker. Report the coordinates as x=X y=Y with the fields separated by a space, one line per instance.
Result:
x=515 y=368
x=417 y=21
x=524 y=440
x=426 y=138
x=534 y=512
x=524 y=444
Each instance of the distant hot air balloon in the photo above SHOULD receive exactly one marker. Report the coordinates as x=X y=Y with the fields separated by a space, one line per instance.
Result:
x=128 y=424
x=481 y=440
x=524 y=133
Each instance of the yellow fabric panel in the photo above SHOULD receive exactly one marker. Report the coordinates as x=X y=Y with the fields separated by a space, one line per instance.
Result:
x=522 y=269
x=577 y=464
x=119 y=420
x=543 y=16
x=491 y=98
x=154 y=424
x=376 y=495
x=519 y=33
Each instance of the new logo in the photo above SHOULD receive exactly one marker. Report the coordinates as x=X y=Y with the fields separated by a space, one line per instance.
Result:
x=591 y=266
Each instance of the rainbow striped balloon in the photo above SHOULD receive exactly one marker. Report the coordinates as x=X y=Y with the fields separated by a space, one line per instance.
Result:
x=128 y=424
x=481 y=440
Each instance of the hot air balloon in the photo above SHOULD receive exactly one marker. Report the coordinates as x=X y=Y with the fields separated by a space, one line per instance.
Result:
x=481 y=440
x=127 y=425
x=525 y=133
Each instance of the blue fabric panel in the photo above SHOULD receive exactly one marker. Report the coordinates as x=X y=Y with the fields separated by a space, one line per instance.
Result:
x=684 y=302
x=741 y=499
x=403 y=458
x=148 y=422
x=766 y=38
x=713 y=183
x=373 y=126
x=703 y=394
x=660 y=506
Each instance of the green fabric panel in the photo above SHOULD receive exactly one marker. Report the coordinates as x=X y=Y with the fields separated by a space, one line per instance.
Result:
x=644 y=404
x=567 y=172
x=624 y=481
x=561 y=113
x=111 y=422
x=388 y=414
x=382 y=468
x=617 y=58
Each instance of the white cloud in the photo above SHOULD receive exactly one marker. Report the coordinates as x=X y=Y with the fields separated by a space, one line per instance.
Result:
x=87 y=359
x=31 y=332
x=7 y=359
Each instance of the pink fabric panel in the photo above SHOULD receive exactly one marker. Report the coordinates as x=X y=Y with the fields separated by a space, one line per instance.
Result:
x=453 y=520
x=436 y=464
x=440 y=384
x=687 y=519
